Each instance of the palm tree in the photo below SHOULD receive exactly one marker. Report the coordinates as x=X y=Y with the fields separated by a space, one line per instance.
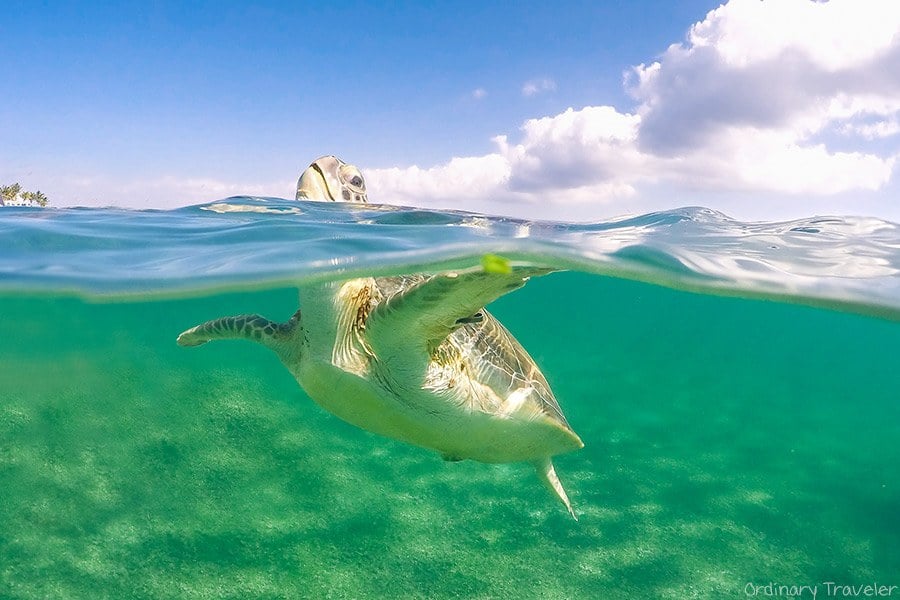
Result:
x=38 y=198
x=8 y=193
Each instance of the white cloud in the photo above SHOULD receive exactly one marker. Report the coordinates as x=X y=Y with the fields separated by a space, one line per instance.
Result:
x=834 y=35
x=460 y=183
x=573 y=156
x=875 y=130
x=537 y=86
x=753 y=101
x=479 y=93
x=573 y=149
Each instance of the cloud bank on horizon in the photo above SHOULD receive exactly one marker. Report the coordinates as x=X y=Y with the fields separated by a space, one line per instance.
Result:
x=795 y=100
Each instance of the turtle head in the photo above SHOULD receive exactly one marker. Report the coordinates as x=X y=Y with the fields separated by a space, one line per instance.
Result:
x=330 y=179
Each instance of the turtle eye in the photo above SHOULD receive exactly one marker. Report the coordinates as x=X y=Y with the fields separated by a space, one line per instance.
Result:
x=351 y=177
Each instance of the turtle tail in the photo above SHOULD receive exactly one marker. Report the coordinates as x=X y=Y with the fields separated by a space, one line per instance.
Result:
x=249 y=327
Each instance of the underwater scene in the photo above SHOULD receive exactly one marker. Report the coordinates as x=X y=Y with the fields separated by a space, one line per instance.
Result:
x=736 y=387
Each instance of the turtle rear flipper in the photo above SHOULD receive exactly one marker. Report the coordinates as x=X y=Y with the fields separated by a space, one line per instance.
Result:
x=249 y=327
x=547 y=473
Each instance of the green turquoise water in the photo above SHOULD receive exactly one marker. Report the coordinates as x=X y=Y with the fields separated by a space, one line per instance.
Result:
x=728 y=441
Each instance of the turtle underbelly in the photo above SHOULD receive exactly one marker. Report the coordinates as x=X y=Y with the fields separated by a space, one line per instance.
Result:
x=426 y=419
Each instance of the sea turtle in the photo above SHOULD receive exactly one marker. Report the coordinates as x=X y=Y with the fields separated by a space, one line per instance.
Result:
x=330 y=178
x=416 y=358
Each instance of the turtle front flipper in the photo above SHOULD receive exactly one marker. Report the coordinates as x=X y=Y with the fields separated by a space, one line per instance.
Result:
x=427 y=311
x=249 y=327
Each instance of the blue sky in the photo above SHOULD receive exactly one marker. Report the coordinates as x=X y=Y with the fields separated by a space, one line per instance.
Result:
x=161 y=104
